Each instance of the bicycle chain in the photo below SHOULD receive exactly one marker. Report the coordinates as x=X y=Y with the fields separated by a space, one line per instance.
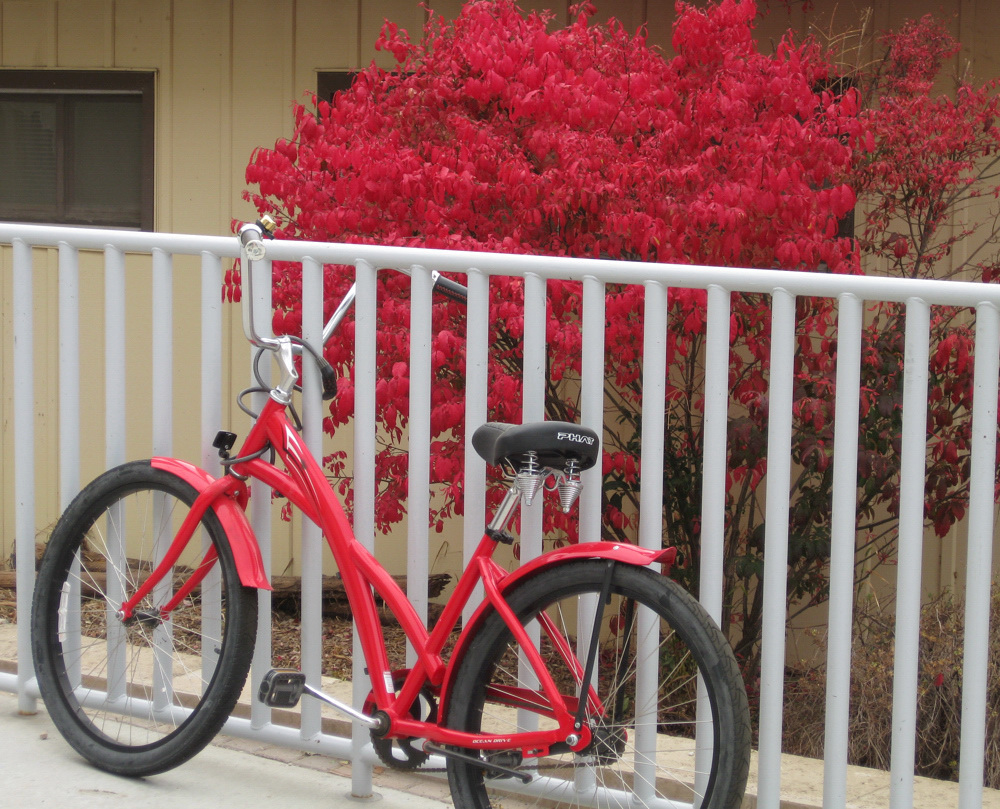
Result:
x=397 y=765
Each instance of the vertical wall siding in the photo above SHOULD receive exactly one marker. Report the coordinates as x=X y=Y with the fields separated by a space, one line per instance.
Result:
x=227 y=74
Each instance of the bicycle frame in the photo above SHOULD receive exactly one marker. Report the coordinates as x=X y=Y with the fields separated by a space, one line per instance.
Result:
x=303 y=483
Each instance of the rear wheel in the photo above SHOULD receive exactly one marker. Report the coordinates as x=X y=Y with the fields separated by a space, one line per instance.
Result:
x=652 y=744
x=142 y=695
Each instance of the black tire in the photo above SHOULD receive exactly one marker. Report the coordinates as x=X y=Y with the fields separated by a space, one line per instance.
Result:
x=690 y=644
x=83 y=650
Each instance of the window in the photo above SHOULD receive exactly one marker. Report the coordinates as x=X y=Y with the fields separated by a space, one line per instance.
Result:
x=76 y=147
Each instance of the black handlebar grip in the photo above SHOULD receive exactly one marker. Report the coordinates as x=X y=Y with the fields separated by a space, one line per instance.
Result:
x=329 y=380
x=451 y=289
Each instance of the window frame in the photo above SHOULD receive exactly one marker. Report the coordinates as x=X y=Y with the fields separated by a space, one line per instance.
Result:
x=67 y=83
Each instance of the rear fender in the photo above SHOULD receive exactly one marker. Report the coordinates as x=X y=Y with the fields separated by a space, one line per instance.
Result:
x=228 y=507
x=617 y=551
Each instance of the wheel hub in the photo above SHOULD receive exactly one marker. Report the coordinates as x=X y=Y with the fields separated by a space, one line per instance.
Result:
x=148 y=619
x=608 y=743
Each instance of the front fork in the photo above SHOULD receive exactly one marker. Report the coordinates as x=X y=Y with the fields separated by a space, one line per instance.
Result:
x=221 y=487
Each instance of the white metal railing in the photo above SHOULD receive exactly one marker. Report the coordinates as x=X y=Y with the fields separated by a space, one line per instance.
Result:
x=783 y=287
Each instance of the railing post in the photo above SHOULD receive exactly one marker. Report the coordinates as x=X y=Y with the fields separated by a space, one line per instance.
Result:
x=114 y=354
x=842 y=548
x=260 y=502
x=419 y=428
x=69 y=374
x=365 y=318
x=211 y=423
x=311 y=628
x=163 y=352
x=592 y=402
x=69 y=422
x=24 y=462
x=532 y=409
x=477 y=320
x=654 y=397
x=979 y=565
x=779 y=447
x=911 y=539
x=713 y=496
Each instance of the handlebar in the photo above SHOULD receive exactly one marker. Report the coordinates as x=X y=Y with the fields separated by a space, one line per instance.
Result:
x=450 y=289
x=251 y=237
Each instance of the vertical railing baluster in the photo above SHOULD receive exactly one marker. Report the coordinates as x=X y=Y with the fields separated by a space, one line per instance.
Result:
x=69 y=430
x=477 y=318
x=24 y=460
x=162 y=367
x=979 y=565
x=654 y=398
x=911 y=539
x=211 y=423
x=311 y=628
x=115 y=453
x=419 y=431
x=532 y=409
x=260 y=494
x=713 y=495
x=779 y=446
x=591 y=498
x=365 y=319
x=842 y=550
x=533 y=396
x=592 y=402
x=114 y=356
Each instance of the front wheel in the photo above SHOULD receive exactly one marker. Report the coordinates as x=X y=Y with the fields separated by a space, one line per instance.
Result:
x=138 y=696
x=655 y=742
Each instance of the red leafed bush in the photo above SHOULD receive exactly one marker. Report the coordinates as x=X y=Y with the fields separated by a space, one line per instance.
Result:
x=496 y=132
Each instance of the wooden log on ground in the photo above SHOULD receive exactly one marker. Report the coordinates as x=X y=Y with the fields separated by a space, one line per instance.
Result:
x=286 y=596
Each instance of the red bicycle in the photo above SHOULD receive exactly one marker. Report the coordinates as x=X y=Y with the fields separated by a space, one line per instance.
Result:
x=587 y=674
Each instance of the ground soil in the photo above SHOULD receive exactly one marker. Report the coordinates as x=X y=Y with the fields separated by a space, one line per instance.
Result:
x=338 y=640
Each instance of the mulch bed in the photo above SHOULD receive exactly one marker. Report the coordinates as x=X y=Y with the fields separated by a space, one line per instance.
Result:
x=338 y=644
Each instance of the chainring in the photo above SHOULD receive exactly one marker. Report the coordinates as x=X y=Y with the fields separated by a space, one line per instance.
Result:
x=401 y=754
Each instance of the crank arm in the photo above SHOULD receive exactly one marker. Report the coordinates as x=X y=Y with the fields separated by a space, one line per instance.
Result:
x=369 y=722
x=282 y=688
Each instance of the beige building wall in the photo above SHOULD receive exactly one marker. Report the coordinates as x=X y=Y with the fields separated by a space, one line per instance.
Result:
x=226 y=76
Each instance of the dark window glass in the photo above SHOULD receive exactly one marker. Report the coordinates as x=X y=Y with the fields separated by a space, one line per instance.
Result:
x=329 y=82
x=76 y=147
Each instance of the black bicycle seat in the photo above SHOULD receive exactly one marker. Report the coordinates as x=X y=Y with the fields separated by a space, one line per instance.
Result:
x=554 y=442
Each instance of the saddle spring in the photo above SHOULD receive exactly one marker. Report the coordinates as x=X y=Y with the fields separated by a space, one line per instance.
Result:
x=530 y=477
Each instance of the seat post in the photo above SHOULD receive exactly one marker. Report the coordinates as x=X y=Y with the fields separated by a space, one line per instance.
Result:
x=505 y=510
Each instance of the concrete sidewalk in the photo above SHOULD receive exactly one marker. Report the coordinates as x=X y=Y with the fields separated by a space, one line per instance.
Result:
x=39 y=769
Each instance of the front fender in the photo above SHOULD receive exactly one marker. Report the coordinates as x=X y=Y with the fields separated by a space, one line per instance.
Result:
x=616 y=551
x=229 y=509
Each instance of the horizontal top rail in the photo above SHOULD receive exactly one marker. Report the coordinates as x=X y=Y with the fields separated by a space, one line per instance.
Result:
x=689 y=276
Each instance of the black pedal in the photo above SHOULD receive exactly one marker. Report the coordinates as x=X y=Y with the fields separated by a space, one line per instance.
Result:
x=282 y=688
